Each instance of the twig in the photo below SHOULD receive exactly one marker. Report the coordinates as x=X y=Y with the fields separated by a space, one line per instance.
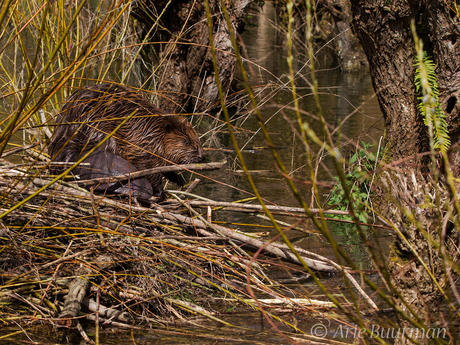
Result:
x=193 y=185
x=18 y=149
x=77 y=292
x=65 y=258
x=40 y=164
x=146 y=172
x=83 y=333
x=235 y=206
x=38 y=308
x=296 y=301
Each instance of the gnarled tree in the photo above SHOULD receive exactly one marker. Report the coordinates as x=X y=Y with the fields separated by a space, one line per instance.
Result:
x=332 y=29
x=182 y=51
x=384 y=29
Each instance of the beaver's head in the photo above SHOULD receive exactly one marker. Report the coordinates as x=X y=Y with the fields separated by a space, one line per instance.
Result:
x=181 y=143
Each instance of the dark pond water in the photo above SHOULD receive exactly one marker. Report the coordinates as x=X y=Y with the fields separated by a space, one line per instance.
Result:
x=347 y=101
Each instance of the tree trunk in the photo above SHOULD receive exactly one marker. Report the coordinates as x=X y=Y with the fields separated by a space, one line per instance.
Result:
x=444 y=37
x=384 y=31
x=332 y=28
x=387 y=41
x=383 y=27
x=349 y=52
x=184 y=62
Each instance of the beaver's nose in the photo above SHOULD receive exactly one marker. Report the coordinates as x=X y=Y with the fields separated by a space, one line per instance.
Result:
x=201 y=155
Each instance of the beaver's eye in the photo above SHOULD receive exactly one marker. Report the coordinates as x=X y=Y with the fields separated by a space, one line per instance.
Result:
x=186 y=143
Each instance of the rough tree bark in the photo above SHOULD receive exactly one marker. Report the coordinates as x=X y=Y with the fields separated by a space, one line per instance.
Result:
x=185 y=69
x=387 y=41
x=383 y=28
x=349 y=53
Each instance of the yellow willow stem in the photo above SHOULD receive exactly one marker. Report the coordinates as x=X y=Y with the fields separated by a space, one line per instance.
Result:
x=4 y=11
x=9 y=129
x=290 y=58
x=76 y=64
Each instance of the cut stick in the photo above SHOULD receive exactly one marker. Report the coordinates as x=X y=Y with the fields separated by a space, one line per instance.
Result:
x=74 y=299
x=146 y=172
x=245 y=240
x=235 y=206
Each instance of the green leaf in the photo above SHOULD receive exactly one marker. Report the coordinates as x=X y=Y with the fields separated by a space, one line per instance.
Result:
x=353 y=158
x=363 y=196
x=429 y=105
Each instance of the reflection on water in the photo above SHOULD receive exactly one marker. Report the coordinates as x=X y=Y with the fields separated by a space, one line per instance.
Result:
x=348 y=104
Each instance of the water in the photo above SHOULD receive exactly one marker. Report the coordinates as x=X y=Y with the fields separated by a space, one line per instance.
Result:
x=348 y=103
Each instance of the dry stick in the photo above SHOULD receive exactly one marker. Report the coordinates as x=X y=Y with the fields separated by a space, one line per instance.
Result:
x=235 y=206
x=83 y=333
x=38 y=308
x=285 y=254
x=18 y=149
x=193 y=185
x=339 y=267
x=77 y=292
x=287 y=225
x=98 y=293
x=41 y=164
x=146 y=172
x=192 y=238
x=65 y=258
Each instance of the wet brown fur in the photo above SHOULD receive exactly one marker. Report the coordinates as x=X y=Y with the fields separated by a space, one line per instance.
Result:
x=149 y=139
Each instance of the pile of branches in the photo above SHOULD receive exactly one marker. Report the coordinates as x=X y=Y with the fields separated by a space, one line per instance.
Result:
x=67 y=252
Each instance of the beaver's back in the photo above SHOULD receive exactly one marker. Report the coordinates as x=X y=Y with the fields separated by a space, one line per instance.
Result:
x=91 y=113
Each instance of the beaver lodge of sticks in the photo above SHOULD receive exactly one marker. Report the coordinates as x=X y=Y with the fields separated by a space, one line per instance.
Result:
x=68 y=252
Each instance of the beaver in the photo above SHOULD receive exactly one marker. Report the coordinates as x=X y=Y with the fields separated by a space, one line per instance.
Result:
x=106 y=164
x=150 y=138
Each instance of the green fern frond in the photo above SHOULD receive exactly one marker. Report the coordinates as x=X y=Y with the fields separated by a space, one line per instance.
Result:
x=429 y=105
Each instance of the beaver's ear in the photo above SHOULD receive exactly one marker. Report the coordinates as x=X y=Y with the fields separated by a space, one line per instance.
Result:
x=168 y=127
